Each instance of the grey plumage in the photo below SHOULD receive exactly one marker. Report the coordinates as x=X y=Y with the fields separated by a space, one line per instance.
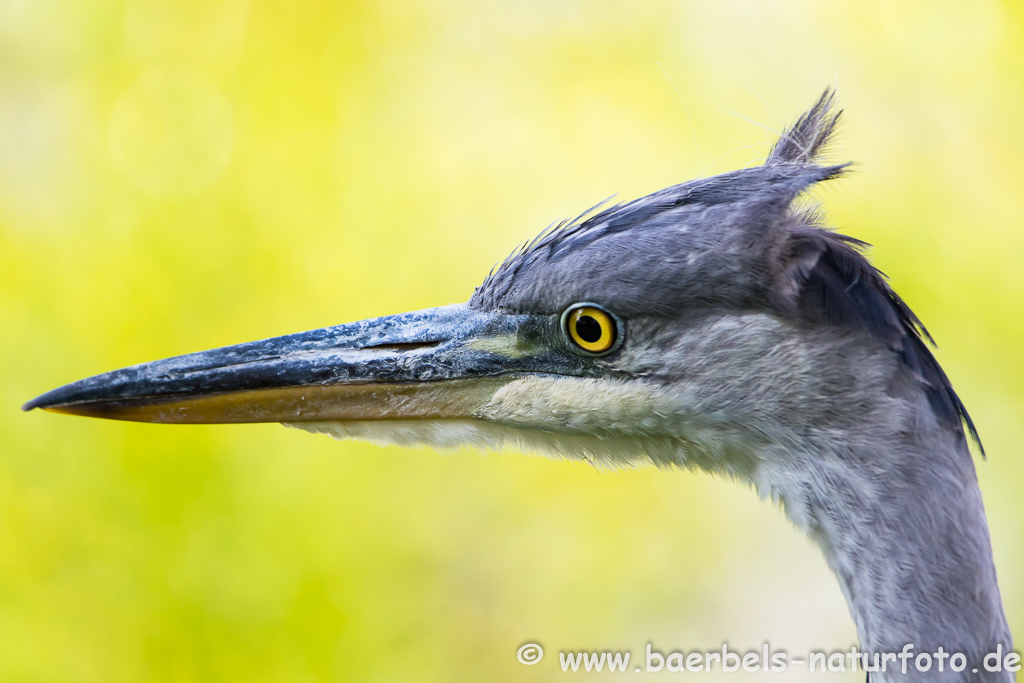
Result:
x=734 y=241
x=815 y=373
x=749 y=341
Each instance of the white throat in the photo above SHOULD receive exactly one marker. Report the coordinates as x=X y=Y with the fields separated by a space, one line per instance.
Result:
x=899 y=516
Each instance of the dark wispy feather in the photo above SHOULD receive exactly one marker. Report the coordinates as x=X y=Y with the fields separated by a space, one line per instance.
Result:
x=807 y=139
x=843 y=288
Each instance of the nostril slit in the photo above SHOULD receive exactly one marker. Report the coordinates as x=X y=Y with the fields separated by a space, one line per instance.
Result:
x=403 y=346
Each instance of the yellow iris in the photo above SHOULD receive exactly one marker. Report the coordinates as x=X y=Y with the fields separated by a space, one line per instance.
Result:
x=592 y=329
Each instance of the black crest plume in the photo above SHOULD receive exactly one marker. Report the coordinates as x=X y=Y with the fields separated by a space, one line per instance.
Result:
x=841 y=287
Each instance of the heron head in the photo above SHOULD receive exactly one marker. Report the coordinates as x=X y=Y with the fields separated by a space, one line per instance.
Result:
x=687 y=324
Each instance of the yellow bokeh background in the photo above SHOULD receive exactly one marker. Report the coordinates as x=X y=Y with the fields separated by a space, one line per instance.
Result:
x=182 y=174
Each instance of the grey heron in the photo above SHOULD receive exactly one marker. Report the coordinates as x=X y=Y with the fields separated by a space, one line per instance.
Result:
x=718 y=325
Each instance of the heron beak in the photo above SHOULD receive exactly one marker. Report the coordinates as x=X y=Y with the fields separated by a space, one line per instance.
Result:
x=432 y=364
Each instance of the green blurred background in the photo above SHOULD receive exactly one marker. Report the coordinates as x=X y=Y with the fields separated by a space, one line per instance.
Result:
x=177 y=175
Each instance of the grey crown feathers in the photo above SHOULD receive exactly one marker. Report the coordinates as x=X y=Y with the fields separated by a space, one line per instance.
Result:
x=737 y=241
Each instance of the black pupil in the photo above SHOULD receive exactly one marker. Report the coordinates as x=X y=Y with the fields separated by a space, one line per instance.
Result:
x=588 y=329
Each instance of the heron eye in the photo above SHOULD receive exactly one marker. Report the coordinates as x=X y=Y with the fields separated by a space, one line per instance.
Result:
x=590 y=328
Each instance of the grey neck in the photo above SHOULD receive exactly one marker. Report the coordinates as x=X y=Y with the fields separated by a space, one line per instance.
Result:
x=903 y=528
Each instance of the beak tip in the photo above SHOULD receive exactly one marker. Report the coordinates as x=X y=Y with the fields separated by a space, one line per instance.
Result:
x=33 y=404
x=44 y=401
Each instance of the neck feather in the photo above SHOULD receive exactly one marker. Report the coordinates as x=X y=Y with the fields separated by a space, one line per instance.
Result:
x=903 y=527
x=841 y=431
